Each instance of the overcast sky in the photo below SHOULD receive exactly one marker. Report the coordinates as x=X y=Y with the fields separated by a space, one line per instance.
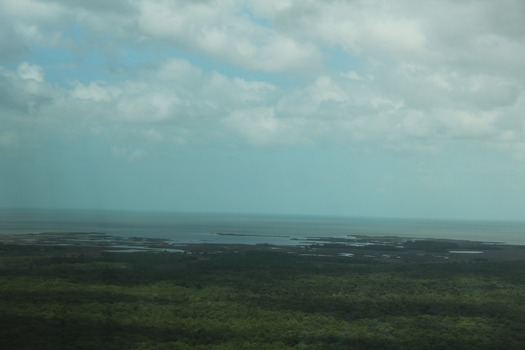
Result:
x=391 y=108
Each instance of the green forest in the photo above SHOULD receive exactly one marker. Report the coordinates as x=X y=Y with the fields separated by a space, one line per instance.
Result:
x=60 y=299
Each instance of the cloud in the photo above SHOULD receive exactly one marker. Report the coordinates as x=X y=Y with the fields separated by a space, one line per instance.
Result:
x=100 y=7
x=10 y=49
x=95 y=91
x=31 y=11
x=222 y=31
x=357 y=26
x=24 y=90
x=175 y=96
x=395 y=73
x=30 y=72
x=260 y=127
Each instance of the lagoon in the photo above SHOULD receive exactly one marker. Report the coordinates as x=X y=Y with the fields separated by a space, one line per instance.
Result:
x=228 y=228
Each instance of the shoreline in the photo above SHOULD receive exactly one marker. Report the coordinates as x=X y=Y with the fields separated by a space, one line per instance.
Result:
x=362 y=248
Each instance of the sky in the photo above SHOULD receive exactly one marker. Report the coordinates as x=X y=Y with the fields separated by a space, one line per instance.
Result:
x=377 y=108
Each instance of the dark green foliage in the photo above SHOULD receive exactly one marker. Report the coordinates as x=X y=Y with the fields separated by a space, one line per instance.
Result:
x=255 y=300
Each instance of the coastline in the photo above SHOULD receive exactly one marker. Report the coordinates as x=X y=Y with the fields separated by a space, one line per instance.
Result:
x=354 y=248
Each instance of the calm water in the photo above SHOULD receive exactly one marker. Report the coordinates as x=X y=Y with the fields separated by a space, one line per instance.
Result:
x=250 y=229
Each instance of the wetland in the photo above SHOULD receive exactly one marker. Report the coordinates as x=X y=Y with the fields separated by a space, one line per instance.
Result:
x=85 y=290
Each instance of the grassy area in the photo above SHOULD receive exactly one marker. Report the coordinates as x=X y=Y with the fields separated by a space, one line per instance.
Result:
x=254 y=300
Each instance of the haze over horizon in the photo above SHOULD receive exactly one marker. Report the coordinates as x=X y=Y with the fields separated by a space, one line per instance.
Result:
x=397 y=109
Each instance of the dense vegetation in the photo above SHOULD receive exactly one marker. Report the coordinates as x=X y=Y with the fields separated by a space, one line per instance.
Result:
x=254 y=300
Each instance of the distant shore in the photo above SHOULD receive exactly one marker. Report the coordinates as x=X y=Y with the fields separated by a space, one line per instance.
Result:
x=384 y=249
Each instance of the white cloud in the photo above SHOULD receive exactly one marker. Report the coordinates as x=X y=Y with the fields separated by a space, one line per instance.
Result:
x=260 y=127
x=358 y=26
x=95 y=91
x=30 y=72
x=143 y=103
x=220 y=30
x=405 y=73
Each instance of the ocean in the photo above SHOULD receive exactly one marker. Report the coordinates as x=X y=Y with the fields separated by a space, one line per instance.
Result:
x=250 y=229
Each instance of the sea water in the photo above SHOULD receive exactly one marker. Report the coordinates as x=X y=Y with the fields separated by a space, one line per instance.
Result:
x=250 y=229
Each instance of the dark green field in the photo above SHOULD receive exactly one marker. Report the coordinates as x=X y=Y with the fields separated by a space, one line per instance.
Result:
x=62 y=299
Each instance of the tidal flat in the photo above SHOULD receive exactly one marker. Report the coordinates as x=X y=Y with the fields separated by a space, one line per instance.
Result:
x=88 y=290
